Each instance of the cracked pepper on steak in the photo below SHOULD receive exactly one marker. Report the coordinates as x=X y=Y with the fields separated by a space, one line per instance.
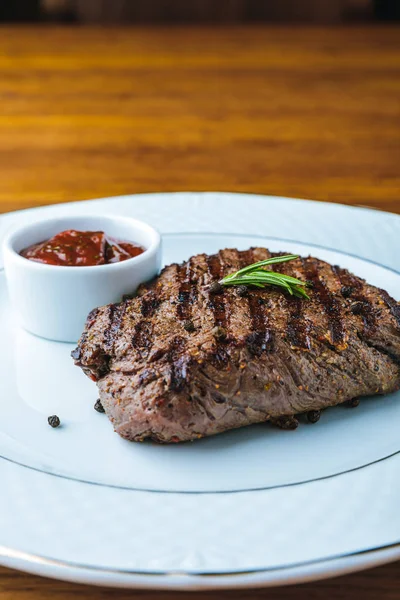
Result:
x=178 y=362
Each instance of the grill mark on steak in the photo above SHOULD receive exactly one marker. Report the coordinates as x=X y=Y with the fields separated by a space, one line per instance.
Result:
x=297 y=326
x=352 y=288
x=187 y=294
x=329 y=303
x=178 y=363
x=115 y=314
x=108 y=329
x=260 y=338
x=142 y=336
x=149 y=304
x=349 y=283
x=217 y=302
x=393 y=306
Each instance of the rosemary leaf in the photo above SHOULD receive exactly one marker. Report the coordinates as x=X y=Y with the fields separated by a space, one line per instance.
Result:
x=264 y=263
x=257 y=276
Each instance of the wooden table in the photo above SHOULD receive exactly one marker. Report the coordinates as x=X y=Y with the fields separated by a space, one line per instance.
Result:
x=300 y=112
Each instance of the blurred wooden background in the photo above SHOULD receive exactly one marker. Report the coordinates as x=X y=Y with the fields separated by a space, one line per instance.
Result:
x=93 y=111
x=226 y=11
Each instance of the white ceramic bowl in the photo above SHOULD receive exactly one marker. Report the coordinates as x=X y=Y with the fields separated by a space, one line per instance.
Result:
x=54 y=301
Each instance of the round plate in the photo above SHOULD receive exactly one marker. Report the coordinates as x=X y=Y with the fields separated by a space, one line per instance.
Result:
x=224 y=505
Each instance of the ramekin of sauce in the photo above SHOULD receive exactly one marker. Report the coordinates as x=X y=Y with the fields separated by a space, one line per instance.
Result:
x=59 y=270
x=73 y=248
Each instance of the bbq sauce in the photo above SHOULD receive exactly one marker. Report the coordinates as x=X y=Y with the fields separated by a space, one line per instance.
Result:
x=81 y=249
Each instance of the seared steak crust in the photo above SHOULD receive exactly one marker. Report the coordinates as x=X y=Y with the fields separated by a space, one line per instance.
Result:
x=182 y=361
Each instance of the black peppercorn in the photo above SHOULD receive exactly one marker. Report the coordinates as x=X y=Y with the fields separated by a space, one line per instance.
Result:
x=353 y=403
x=313 y=416
x=98 y=406
x=258 y=342
x=242 y=291
x=53 y=421
x=188 y=326
x=357 y=308
x=346 y=291
x=216 y=288
x=287 y=422
x=219 y=333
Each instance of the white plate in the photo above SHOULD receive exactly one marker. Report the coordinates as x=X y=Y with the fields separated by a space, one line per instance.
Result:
x=80 y=503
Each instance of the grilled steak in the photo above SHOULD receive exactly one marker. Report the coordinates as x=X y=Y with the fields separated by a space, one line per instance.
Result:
x=184 y=359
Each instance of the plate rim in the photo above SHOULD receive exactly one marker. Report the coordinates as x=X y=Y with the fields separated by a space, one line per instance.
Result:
x=301 y=572
x=318 y=570
x=356 y=207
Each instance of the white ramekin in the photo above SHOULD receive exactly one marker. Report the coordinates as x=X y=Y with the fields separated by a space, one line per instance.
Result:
x=53 y=302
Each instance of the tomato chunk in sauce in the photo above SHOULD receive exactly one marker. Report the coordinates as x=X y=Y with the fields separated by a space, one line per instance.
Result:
x=81 y=249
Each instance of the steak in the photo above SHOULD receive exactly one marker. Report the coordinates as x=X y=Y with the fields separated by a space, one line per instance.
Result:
x=185 y=359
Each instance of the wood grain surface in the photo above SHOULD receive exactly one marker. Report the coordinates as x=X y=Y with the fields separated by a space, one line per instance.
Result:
x=310 y=113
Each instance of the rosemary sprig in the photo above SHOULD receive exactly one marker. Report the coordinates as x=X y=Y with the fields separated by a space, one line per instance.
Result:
x=255 y=275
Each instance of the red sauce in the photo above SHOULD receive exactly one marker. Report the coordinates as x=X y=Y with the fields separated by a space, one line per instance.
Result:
x=81 y=249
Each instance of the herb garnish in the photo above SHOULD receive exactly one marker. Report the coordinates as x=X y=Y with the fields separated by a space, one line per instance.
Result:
x=257 y=276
